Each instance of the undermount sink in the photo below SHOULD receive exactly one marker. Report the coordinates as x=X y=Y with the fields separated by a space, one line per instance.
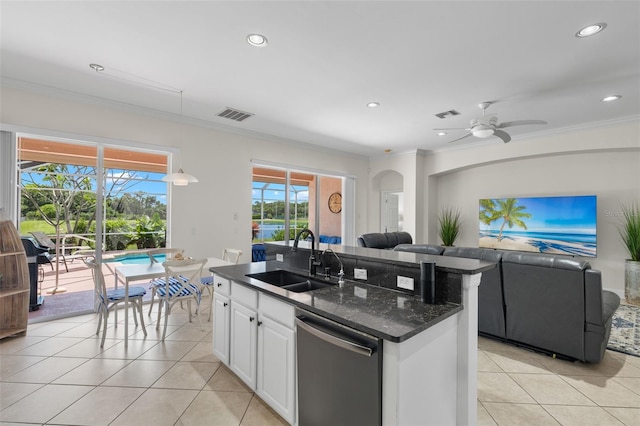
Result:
x=289 y=281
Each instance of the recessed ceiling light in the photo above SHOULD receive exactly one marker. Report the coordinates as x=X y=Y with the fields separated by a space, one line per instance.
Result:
x=590 y=30
x=611 y=98
x=373 y=104
x=96 y=67
x=442 y=133
x=257 y=40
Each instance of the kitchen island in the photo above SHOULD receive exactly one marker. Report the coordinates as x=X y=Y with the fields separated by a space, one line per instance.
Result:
x=429 y=352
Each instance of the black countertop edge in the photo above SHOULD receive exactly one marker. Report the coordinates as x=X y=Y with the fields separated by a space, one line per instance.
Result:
x=384 y=313
x=456 y=265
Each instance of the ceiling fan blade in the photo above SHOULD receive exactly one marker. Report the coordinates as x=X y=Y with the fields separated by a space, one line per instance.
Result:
x=520 y=123
x=454 y=128
x=502 y=135
x=456 y=140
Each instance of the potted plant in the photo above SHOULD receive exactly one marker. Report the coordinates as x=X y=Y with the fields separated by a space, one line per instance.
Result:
x=630 y=234
x=449 y=226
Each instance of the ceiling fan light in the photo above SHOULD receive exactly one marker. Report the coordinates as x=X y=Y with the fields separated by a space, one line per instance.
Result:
x=482 y=133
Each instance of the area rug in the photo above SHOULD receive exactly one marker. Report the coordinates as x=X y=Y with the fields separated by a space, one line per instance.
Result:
x=625 y=330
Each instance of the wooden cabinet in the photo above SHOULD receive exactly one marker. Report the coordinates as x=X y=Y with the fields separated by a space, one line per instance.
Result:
x=14 y=282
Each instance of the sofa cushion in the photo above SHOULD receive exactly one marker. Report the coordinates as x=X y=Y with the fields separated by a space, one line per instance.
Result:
x=373 y=240
x=420 y=248
x=387 y=240
x=546 y=260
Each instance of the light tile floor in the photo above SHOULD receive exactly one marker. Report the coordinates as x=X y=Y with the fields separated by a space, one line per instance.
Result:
x=58 y=374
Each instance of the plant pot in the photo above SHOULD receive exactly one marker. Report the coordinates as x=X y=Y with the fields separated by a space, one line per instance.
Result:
x=632 y=282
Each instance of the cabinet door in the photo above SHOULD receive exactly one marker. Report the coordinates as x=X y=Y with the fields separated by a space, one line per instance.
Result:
x=276 y=367
x=244 y=340
x=221 y=326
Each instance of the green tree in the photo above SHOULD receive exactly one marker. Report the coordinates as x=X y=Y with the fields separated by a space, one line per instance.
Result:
x=505 y=209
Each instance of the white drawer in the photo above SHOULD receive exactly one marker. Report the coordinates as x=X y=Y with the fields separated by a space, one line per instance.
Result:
x=244 y=295
x=277 y=310
x=221 y=285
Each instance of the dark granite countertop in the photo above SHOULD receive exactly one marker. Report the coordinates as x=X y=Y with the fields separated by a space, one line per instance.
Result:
x=381 y=312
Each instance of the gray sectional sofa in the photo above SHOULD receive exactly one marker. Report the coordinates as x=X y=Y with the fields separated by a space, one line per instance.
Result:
x=551 y=303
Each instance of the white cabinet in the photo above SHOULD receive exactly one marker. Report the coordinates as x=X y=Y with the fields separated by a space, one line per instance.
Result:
x=244 y=340
x=221 y=308
x=276 y=366
x=254 y=335
x=221 y=327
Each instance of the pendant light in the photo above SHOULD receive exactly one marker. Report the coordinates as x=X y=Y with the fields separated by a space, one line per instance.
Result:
x=180 y=178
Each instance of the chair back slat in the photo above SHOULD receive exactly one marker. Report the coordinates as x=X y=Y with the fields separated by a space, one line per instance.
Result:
x=183 y=276
x=231 y=255
x=100 y=286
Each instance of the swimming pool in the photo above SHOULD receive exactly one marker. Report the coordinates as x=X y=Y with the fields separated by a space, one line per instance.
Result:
x=134 y=258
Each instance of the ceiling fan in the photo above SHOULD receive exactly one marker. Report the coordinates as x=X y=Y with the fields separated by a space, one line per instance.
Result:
x=487 y=125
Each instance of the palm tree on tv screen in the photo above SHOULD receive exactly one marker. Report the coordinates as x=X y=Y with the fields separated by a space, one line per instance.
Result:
x=506 y=209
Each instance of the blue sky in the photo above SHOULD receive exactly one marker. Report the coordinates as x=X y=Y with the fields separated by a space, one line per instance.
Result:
x=576 y=214
x=146 y=182
x=276 y=191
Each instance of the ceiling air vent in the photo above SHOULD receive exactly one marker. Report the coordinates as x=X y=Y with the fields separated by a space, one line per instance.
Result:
x=449 y=113
x=234 y=114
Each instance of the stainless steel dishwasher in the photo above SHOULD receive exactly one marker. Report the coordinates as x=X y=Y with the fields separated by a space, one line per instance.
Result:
x=339 y=373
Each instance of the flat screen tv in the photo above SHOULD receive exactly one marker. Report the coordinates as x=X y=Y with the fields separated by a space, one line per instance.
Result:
x=555 y=225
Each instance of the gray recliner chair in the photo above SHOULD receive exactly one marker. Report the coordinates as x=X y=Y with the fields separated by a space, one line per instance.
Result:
x=557 y=304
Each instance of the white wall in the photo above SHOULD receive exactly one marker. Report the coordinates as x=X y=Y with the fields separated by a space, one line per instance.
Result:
x=202 y=218
x=607 y=166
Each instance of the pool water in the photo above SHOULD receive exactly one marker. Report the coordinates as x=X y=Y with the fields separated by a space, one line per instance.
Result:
x=133 y=258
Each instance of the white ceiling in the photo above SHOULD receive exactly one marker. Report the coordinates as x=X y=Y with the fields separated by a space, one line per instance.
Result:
x=326 y=60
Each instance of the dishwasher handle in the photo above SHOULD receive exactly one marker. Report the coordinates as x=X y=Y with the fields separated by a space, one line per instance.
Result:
x=329 y=338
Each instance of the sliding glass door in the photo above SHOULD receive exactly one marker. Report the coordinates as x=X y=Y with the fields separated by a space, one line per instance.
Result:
x=88 y=199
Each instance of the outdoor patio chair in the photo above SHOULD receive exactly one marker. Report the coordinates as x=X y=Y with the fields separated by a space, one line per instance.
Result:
x=67 y=251
x=169 y=252
x=230 y=255
x=181 y=282
x=108 y=299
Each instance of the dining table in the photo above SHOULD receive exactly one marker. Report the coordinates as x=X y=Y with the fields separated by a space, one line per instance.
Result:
x=127 y=273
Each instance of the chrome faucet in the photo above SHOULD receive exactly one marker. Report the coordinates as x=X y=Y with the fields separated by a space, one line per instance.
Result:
x=341 y=273
x=312 y=259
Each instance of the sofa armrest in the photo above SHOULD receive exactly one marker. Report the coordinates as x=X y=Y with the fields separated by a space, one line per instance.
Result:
x=593 y=308
x=600 y=305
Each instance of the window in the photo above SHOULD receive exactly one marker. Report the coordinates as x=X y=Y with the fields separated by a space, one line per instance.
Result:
x=286 y=201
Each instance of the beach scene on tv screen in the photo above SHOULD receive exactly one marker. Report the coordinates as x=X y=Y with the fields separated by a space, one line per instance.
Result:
x=555 y=225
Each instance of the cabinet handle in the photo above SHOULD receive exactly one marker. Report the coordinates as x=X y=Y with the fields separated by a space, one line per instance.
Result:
x=259 y=323
x=224 y=303
x=251 y=319
x=219 y=284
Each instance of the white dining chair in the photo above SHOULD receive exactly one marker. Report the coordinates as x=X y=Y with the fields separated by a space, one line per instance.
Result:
x=181 y=283
x=107 y=299
x=230 y=255
x=169 y=253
